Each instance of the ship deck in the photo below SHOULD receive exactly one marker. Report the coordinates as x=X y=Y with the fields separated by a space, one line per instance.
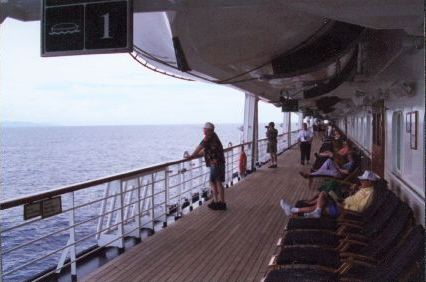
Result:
x=206 y=245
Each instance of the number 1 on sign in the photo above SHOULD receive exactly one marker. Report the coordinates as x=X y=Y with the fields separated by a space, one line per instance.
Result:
x=106 y=26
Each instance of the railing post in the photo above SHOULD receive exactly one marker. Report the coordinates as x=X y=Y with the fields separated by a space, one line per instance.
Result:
x=121 y=215
x=138 y=208
x=145 y=202
x=110 y=211
x=232 y=163
x=227 y=181
x=186 y=155
x=152 y=202
x=102 y=211
x=181 y=185
x=70 y=245
x=191 y=184
x=201 y=180
x=72 y=241
x=1 y=256
x=166 y=194
x=127 y=200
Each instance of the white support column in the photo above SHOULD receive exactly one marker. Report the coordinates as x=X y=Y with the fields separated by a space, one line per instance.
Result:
x=300 y=122
x=286 y=128
x=255 y=158
x=250 y=127
x=289 y=129
x=248 y=117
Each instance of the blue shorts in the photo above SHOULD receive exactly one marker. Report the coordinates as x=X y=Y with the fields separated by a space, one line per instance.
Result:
x=217 y=172
x=333 y=210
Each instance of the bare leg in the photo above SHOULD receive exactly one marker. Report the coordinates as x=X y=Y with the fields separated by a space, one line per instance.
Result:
x=214 y=191
x=319 y=203
x=220 y=191
x=313 y=201
x=322 y=200
x=307 y=209
x=311 y=181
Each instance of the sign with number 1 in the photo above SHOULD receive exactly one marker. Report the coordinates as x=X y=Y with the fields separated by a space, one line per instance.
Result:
x=75 y=27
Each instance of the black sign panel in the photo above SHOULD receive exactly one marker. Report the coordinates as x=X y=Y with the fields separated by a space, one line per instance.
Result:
x=89 y=27
x=290 y=105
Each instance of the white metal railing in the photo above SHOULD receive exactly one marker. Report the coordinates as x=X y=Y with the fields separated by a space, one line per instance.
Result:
x=106 y=211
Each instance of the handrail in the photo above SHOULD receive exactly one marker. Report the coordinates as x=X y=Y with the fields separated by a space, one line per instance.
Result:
x=130 y=201
x=82 y=185
x=86 y=184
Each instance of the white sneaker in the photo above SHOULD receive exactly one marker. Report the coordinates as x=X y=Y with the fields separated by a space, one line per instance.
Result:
x=286 y=207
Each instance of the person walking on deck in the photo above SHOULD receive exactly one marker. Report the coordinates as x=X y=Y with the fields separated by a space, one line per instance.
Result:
x=272 y=134
x=305 y=138
x=212 y=149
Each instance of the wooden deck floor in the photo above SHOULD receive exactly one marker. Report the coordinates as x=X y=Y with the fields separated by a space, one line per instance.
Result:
x=206 y=245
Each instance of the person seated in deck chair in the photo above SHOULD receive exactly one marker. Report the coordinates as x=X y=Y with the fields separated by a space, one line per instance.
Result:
x=342 y=155
x=320 y=159
x=331 y=169
x=358 y=202
x=325 y=152
x=344 y=151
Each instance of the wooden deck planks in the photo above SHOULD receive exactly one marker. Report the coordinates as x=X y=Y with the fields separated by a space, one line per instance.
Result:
x=206 y=245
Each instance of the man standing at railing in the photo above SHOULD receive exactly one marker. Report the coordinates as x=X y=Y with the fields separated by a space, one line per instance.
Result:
x=272 y=134
x=214 y=156
x=305 y=138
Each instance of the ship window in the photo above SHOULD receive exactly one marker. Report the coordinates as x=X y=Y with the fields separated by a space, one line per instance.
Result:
x=397 y=139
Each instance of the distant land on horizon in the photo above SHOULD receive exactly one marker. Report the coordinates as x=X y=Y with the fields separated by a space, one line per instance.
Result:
x=8 y=124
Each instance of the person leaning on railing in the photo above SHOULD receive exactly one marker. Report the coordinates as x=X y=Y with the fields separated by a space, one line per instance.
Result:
x=325 y=203
x=212 y=149
x=272 y=135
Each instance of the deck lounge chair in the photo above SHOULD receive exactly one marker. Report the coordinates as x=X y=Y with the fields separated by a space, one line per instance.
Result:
x=393 y=267
x=369 y=250
x=350 y=230
x=380 y=197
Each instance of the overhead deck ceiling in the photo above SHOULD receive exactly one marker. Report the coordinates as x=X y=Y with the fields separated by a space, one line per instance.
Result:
x=240 y=43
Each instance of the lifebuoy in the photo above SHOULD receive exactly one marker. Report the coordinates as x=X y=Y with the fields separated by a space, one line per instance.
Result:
x=243 y=163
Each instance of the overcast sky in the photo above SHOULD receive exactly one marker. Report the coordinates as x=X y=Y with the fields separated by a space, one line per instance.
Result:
x=103 y=89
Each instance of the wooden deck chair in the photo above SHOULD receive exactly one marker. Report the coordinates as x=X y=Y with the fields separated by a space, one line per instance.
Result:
x=367 y=223
x=348 y=246
x=391 y=267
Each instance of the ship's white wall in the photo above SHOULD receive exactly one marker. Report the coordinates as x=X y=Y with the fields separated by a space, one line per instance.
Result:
x=359 y=129
x=408 y=182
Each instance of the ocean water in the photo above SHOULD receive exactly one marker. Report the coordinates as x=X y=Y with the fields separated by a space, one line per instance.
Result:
x=35 y=159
